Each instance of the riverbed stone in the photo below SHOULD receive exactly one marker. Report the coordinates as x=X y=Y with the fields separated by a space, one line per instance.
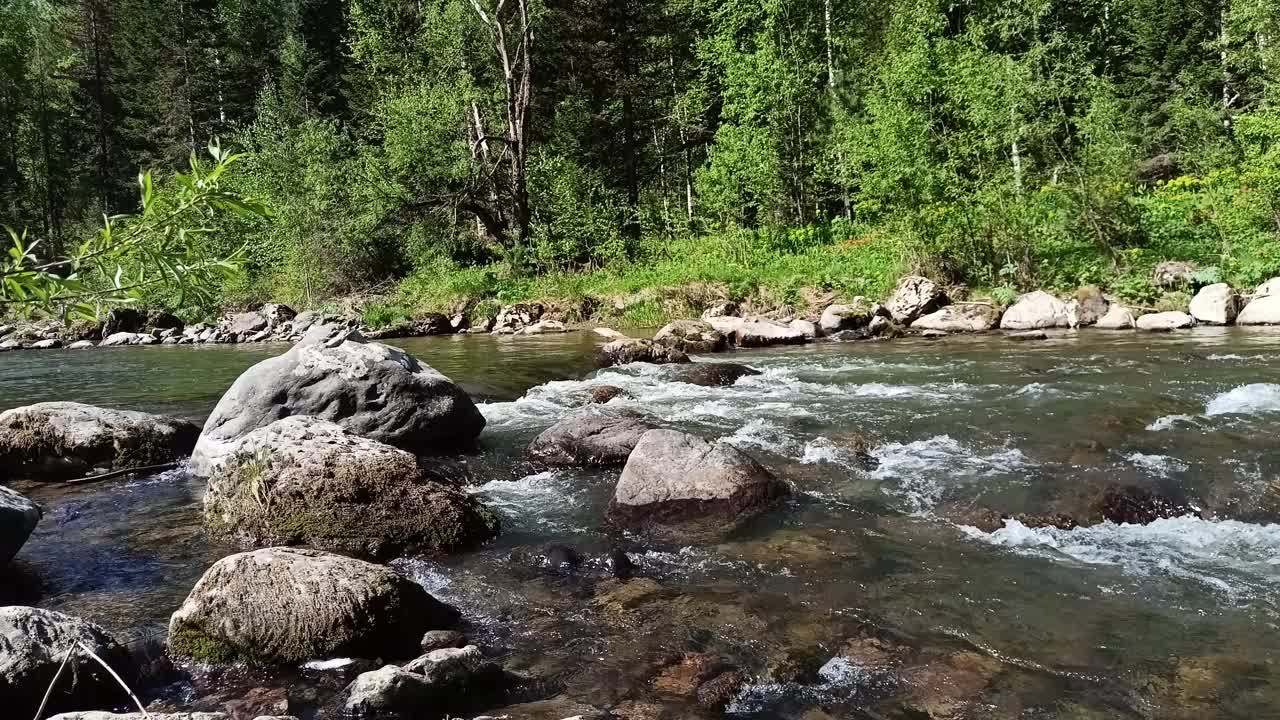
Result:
x=1215 y=304
x=1160 y=322
x=1036 y=311
x=514 y=318
x=33 y=643
x=1118 y=317
x=852 y=316
x=809 y=328
x=432 y=679
x=959 y=318
x=714 y=374
x=1264 y=309
x=591 y=436
x=291 y=605
x=544 y=327
x=757 y=332
x=82 y=345
x=602 y=394
x=63 y=440
x=679 y=482
x=50 y=344
x=1086 y=306
x=913 y=297
x=440 y=639
x=691 y=336
x=371 y=390
x=18 y=518
x=633 y=350
x=307 y=481
x=121 y=339
x=103 y=715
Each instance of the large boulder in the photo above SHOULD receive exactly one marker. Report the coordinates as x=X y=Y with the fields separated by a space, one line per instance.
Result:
x=757 y=331
x=289 y=605
x=127 y=320
x=61 y=440
x=714 y=374
x=959 y=318
x=1036 y=311
x=691 y=336
x=853 y=316
x=18 y=518
x=436 y=678
x=633 y=350
x=372 y=390
x=242 y=326
x=34 y=642
x=306 y=481
x=1164 y=321
x=1118 y=317
x=1215 y=305
x=676 y=482
x=514 y=318
x=1264 y=309
x=914 y=296
x=122 y=339
x=590 y=436
x=1086 y=307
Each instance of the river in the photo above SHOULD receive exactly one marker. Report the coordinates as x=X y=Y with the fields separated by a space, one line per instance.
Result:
x=1173 y=619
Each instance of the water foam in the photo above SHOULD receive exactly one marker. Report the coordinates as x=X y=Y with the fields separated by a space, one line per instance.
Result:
x=1169 y=422
x=919 y=467
x=1239 y=559
x=1160 y=465
x=1254 y=399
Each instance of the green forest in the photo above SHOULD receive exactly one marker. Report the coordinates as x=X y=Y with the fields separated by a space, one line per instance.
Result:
x=438 y=153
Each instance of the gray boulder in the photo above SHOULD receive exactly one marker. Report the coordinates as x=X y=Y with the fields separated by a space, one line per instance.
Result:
x=82 y=345
x=121 y=339
x=33 y=643
x=809 y=328
x=914 y=296
x=544 y=327
x=50 y=344
x=589 y=436
x=1086 y=307
x=18 y=518
x=691 y=336
x=372 y=390
x=61 y=440
x=389 y=691
x=306 y=481
x=716 y=374
x=517 y=317
x=624 y=352
x=1118 y=317
x=853 y=316
x=1174 y=274
x=1036 y=311
x=1264 y=308
x=242 y=325
x=676 y=482
x=958 y=318
x=757 y=332
x=725 y=308
x=1215 y=305
x=1165 y=321
x=287 y=605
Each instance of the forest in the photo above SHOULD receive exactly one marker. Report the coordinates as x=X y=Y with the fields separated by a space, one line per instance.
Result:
x=435 y=152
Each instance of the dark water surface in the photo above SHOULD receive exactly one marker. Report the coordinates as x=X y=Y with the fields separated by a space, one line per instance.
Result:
x=1170 y=620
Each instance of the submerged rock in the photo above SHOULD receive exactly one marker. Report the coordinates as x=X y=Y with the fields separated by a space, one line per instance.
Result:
x=1036 y=311
x=625 y=352
x=1128 y=504
x=691 y=336
x=678 y=482
x=602 y=394
x=1027 y=335
x=757 y=332
x=589 y=436
x=33 y=643
x=1215 y=305
x=714 y=374
x=959 y=318
x=428 y=682
x=62 y=440
x=18 y=518
x=913 y=297
x=307 y=481
x=703 y=677
x=286 y=605
x=1165 y=321
x=371 y=390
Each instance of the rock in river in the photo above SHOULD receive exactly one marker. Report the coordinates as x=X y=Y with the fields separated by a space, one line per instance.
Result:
x=857 y=314
x=100 y=715
x=714 y=374
x=1036 y=311
x=913 y=297
x=307 y=481
x=757 y=331
x=1165 y=321
x=18 y=517
x=287 y=605
x=1215 y=305
x=959 y=318
x=33 y=643
x=1264 y=309
x=1118 y=317
x=691 y=336
x=61 y=440
x=677 y=481
x=372 y=390
x=625 y=352
x=590 y=436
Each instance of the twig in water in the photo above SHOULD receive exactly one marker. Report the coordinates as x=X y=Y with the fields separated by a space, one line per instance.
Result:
x=104 y=664
x=121 y=473
x=49 y=693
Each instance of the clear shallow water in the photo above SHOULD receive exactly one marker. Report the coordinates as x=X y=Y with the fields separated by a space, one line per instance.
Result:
x=1174 y=619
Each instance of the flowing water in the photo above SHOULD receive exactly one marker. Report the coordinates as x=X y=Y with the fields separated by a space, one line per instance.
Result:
x=1173 y=619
